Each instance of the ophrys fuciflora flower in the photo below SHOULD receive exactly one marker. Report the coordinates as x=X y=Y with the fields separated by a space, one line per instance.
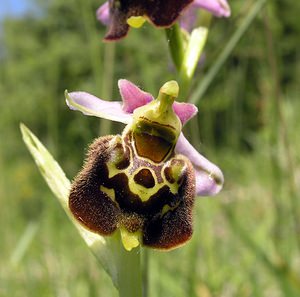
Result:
x=144 y=181
x=119 y=15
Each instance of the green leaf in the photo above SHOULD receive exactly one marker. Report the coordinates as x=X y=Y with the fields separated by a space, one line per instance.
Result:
x=106 y=250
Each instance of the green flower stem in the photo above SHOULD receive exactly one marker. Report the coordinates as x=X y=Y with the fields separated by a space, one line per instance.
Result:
x=176 y=45
x=129 y=272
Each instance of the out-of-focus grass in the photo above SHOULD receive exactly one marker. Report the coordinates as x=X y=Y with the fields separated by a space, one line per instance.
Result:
x=245 y=241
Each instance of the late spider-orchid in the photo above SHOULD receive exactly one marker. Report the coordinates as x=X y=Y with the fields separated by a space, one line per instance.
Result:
x=144 y=181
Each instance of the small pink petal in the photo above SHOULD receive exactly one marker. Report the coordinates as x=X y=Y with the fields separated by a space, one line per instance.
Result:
x=185 y=111
x=103 y=14
x=93 y=106
x=132 y=96
x=209 y=178
x=219 y=8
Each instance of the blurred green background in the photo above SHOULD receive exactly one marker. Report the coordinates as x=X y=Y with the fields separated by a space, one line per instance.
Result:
x=246 y=241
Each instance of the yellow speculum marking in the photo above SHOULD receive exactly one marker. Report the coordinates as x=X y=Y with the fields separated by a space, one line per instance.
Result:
x=137 y=189
x=141 y=191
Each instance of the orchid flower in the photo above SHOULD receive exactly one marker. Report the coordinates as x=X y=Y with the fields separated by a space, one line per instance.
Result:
x=144 y=181
x=120 y=15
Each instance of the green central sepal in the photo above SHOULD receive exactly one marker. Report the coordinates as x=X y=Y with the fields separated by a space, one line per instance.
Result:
x=155 y=126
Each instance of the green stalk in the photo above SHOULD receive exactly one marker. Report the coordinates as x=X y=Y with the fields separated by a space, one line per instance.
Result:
x=129 y=271
x=203 y=86
x=176 y=45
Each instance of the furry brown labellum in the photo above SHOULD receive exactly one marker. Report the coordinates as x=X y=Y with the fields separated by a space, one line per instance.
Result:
x=136 y=183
